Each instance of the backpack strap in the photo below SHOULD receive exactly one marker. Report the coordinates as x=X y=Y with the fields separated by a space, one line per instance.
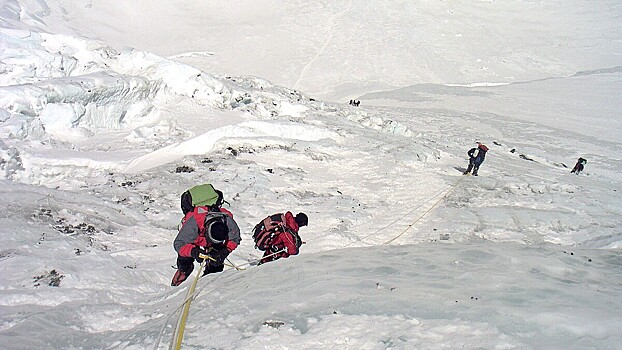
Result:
x=264 y=239
x=297 y=239
x=272 y=222
x=266 y=230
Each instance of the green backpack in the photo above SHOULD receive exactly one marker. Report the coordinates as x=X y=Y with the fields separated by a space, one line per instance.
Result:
x=201 y=196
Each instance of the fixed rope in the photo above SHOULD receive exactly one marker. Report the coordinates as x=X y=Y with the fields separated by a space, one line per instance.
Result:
x=156 y=345
x=237 y=267
x=180 y=328
x=178 y=331
x=259 y=259
x=426 y=212
x=181 y=325
x=409 y=210
x=362 y=239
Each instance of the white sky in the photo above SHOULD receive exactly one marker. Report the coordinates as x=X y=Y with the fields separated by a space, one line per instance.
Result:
x=402 y=251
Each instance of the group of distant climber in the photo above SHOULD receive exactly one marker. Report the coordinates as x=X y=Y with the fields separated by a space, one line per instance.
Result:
x=209 y=233
x=478 y=154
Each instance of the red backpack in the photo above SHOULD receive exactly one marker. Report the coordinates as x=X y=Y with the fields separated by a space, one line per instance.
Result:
x=269 y=229
x=266 y=230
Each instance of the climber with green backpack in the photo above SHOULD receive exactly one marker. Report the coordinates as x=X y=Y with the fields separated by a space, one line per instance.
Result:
x=206 y=229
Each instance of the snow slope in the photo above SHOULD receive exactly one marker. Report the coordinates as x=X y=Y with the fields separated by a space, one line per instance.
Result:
x=99 y=140
x=334 y=49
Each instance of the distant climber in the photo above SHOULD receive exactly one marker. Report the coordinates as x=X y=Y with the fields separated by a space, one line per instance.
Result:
x=475 y=160
x=579 y=166
x=206 y=230
x=277 y=235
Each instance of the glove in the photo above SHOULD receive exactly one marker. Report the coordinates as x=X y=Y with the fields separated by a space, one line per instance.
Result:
x=195 y=252
x=219 y=256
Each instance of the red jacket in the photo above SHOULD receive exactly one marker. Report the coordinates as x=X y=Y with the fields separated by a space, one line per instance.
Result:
x=286 y=240
x=290 y=222
x=191 y=233
x=280 y=219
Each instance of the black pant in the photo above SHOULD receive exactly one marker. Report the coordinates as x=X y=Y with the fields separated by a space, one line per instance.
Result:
x=474 y=164
x=187 y=266
x=473 y=167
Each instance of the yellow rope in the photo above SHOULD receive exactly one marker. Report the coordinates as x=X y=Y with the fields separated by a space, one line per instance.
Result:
x=426 y=212
x=184 y=315
x=259 y=259
x=181 y=326
x=234 y=266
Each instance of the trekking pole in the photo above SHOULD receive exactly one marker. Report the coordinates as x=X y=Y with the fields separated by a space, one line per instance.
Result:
x=181 y=326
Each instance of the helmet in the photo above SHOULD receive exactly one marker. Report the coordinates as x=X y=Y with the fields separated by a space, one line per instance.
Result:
x=217 y=232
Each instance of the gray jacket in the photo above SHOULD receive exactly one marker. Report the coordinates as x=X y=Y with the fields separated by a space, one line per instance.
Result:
x=189 y=233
